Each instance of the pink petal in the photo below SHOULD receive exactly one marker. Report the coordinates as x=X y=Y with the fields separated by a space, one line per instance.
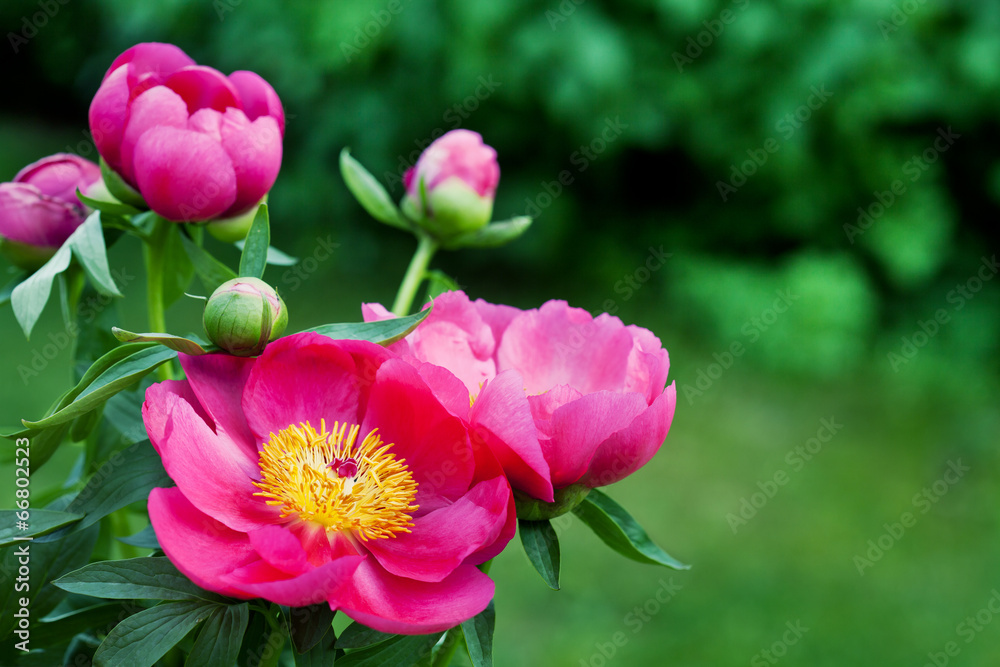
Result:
x=497 y=316
x=394 y=604
x=158 y=106
x=107 y=116
x=255 y=149
x=648 y=364
x=58 y=176
x=218 y=381
x=203 y=88
x=316 y=585
x=580 y=427
x=150 y=58
x=214 y=472
x=631 y=448
x=561 y=345
x=441 y=540
x=28 y=216
x=502 y=410
x=181 y=389
x=449 y=390
x=201 y=547
x=433 y=443
x=309 y=377
x=184 y=175
x=280 y=549
x=258 y=97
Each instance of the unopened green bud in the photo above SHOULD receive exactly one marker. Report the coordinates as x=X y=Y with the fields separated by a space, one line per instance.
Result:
x=243 y=315
x=566 y=498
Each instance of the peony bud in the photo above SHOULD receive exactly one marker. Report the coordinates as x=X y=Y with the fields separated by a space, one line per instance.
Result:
x=235 y=319
x=458 y=174
x=39 y=209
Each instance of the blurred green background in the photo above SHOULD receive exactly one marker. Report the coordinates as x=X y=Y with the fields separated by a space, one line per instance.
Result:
x=756 y=143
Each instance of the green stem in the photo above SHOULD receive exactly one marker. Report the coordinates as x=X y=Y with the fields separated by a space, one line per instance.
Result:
x=153 y=253
x=452 y=641
x=414 y=275
x=275 y=640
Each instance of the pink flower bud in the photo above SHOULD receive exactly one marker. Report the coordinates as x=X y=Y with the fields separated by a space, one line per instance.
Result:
x=39 y=208
x=459 y=174
x=196 y=144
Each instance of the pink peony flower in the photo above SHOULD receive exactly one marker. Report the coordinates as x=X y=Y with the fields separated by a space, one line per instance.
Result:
x=460 y=175
x=326 y=471
x=39 y=209
x=561 y=397
x=196 y=144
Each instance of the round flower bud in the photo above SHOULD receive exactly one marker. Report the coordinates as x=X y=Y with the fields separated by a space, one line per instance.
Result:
x=235 y=318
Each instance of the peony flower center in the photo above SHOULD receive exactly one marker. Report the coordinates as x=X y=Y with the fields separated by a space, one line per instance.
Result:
x=331 y=479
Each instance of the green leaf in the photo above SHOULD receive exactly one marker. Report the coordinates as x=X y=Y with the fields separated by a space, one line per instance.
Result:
x=29 y=298
x=369 y=192
x=400 y=651
x=218 y=643
x=541 y=544
x=322 y=654
x=616 y=527
x=274 y=256
x=88 y=246
x=384 y=332
x=492 y=235
x=7 y=289
x=59 y=629
x=39 y=522
x=43 y=443
x=123 y=479
x=211 y=271
x=144 y=539
x=478 y=632
x=308 y=625
x=142 y=639
x=178 y=343
x=357 y=635
x=116 y=208
x=148 y=578
x=439 y=282
x=253 y=261
x=117 y=377
x=118 y=188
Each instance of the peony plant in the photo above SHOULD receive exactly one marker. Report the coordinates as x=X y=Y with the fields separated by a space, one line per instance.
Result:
x=333 y=494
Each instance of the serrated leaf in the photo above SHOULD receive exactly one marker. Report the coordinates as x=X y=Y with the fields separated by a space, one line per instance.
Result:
x=39 y=522
x=308 y=625
x=358 y=635
x=616 y=528
x=88 y=246
x=400 y=651
x=28 y=299
x=275 y=257
x=142 y=639
x=218 y=642
x=178 y=343
x=149 y=578
x=492 y=235
x=253 y=261
x=117 y=377
x=541 y=544
x=383 y=332
x=478 y=632
x=116 y=208
x=369 y=192
x=211 y=271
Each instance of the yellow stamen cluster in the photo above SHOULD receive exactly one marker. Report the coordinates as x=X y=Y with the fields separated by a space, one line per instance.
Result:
x=296 y=474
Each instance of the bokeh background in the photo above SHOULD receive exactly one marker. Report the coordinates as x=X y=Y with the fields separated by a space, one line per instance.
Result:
x=757 y=144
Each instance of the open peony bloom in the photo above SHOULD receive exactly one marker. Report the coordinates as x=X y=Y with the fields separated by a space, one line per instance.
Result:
x=459 y=174
x=561 y=397
x=196 y=144
x=326 y=471
x=39 y=209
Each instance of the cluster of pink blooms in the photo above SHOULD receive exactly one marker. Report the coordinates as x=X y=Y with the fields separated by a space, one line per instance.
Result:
x=375 y=479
